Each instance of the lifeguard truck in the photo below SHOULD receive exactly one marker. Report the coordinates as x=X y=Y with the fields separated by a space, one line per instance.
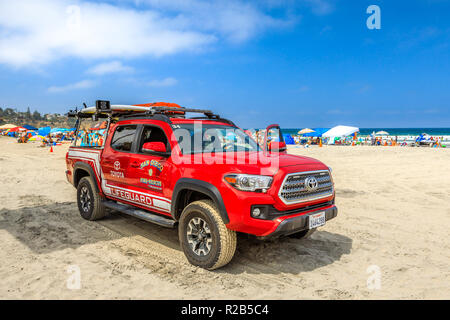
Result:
x=201 y=174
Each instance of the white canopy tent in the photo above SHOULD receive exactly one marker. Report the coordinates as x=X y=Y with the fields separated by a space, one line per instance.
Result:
x=339 y=131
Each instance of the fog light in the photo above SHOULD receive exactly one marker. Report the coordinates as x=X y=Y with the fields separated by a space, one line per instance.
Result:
x=256 y=212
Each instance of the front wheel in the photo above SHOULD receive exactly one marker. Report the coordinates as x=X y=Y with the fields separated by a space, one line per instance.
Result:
x=204 y=237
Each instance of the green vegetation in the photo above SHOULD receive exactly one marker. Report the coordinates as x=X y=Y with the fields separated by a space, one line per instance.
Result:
x=10 y=115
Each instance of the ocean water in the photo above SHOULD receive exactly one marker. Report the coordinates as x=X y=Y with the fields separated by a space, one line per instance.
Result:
x=391 y=131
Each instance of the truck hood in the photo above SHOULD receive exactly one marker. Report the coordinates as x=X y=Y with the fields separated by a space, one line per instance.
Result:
x=287 y=160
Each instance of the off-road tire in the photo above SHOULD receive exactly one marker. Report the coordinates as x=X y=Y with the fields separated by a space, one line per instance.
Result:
x=223 y=240
x=304 y=234
x=96 y=209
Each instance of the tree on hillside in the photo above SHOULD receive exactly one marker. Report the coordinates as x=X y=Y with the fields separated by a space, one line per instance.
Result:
x=28 y=113
x=8 y=112
x=37 y=115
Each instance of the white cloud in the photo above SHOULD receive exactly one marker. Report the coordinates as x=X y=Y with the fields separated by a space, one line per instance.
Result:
x=84 y=84
x=39 y=32
x=109 y=67
x=166 y=82
x=235 y=20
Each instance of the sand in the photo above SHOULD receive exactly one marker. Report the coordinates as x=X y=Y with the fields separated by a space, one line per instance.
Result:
x=394 y=218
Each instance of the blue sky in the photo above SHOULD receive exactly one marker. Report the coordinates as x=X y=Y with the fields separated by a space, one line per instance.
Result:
x=304 y=63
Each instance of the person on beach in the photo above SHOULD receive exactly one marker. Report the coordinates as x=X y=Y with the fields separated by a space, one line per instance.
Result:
x=438 y=142
x=49 y=140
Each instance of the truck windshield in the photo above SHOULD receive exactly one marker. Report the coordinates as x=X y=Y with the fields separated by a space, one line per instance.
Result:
x=209 y=138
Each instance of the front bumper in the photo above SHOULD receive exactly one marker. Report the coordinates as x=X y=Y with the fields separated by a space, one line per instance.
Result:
x=298 y=223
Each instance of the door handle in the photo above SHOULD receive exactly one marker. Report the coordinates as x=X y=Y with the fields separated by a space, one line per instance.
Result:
x=134 y=164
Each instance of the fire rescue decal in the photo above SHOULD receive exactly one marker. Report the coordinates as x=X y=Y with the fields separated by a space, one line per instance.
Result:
x=154 y=184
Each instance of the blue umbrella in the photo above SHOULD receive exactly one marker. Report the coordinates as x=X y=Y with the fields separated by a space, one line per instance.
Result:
x=28 y=127
x=318 y=132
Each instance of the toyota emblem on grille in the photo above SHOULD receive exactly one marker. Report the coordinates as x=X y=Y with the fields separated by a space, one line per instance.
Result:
x=311 y=183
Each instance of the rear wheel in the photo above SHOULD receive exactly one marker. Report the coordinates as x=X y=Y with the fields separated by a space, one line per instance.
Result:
x=204 y=237
x=303 y=234
x=89 y=202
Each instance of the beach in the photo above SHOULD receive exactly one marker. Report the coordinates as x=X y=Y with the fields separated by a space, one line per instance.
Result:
x=393 y=222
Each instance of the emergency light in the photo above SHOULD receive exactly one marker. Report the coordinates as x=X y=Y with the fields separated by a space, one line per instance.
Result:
x=103 y=106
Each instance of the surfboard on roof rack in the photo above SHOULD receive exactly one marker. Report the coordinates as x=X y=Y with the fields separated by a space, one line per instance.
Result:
x=104 y=109
x=118 y=108
x=164 y=110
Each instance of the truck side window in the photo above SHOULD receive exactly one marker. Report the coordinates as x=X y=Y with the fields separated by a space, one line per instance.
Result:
x=152 y=134
x=123 y=138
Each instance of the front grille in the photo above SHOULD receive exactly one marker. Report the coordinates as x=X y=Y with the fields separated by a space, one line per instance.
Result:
x=294 y=189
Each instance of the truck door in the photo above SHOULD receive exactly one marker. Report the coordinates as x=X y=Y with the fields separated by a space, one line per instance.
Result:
x=149 y=169
x=116 y=156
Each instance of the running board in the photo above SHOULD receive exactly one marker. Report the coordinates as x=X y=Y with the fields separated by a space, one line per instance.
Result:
x=140 y=214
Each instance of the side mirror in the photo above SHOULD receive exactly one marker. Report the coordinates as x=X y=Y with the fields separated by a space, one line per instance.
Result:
x=154 y=147
x=276 y=146
x=273 y=132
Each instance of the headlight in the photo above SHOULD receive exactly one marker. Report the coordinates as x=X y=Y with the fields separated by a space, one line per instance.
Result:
x=331 y=170
x=247 y=182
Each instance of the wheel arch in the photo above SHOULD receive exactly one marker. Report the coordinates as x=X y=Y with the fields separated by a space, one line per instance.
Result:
x=185 y=187
x=81 y=170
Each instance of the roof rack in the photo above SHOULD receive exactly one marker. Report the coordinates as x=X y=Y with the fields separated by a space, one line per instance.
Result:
x=104 y=109
x=177 y=113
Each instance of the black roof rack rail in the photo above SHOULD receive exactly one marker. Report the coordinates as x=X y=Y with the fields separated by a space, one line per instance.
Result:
x=133 y=116
x=177 y=113
x=218 y=118
x=209 y=115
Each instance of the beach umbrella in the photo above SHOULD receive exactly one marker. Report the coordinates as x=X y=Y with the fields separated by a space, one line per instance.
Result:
x=8 y=126
x=317 y=132
x=16 y=129
x=56 y=130
x=306 y=130
x=382 y=133
x=36 y=138
x=28 y=127
x=44 y=131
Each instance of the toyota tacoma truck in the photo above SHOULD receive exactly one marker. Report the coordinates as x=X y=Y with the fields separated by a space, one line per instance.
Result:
x=202 y=175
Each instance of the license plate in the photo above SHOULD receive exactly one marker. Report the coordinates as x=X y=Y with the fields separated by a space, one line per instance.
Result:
x=316 y=220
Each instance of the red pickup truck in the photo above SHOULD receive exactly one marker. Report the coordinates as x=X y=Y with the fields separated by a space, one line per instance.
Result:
x=203 y=175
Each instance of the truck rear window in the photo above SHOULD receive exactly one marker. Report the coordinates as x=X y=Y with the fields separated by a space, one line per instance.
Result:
x=123 y=138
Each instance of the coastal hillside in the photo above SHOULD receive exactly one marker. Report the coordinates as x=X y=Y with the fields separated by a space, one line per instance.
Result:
x=35 y=118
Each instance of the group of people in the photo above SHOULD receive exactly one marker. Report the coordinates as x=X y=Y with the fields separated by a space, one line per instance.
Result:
x=90 y=138
x=431 y=141
x=378 y=141
x=307 y=141
x=52 y=139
